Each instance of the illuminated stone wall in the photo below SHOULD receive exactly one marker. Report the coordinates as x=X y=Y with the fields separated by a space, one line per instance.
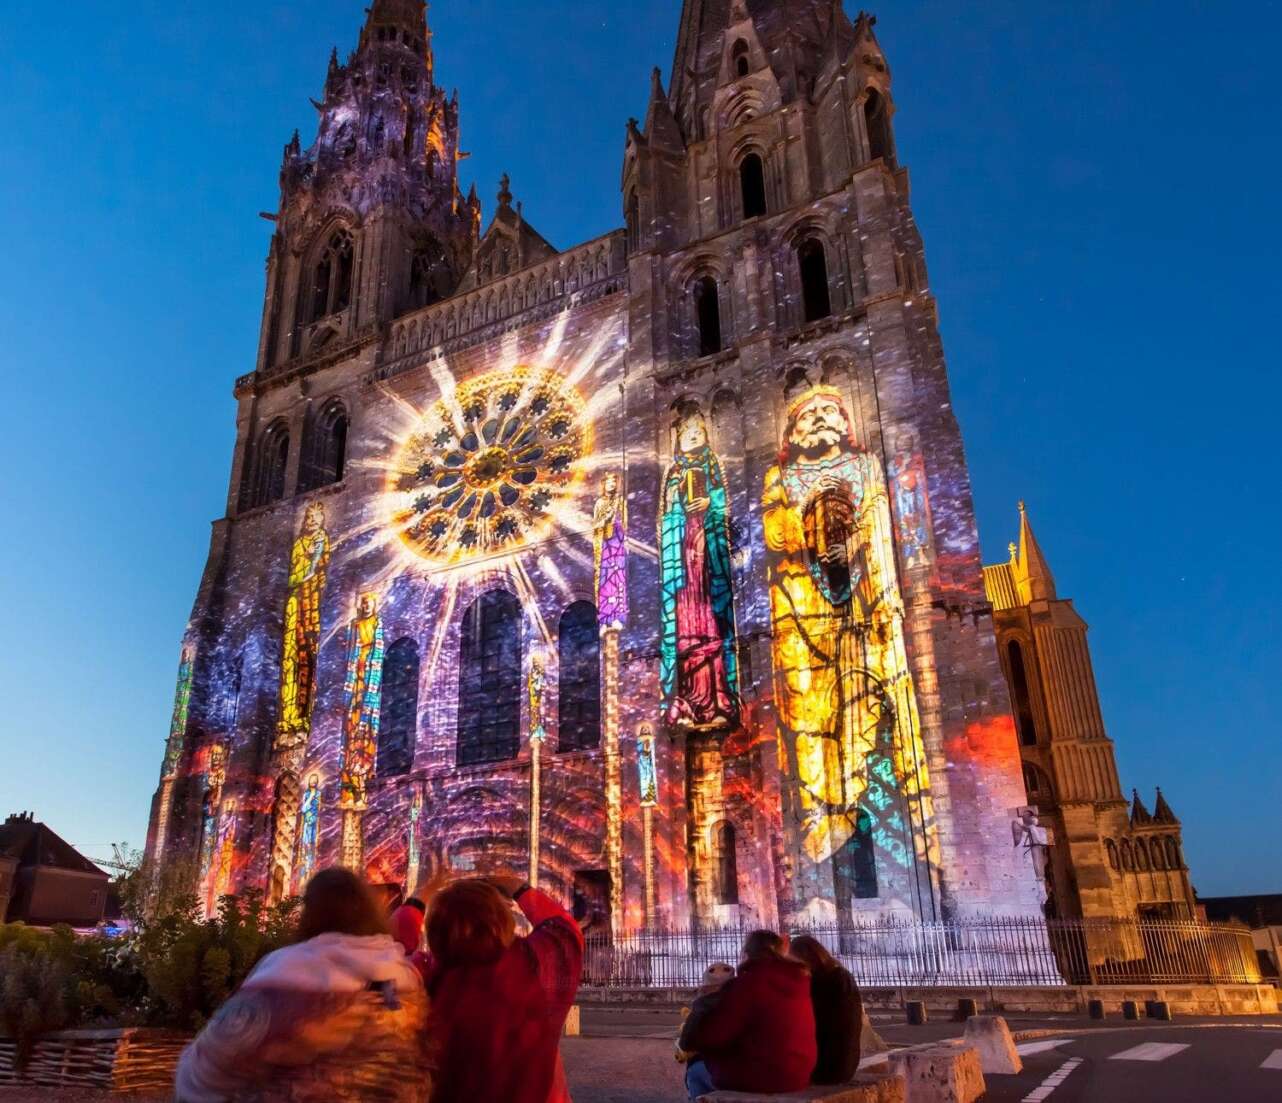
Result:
x=805 y=649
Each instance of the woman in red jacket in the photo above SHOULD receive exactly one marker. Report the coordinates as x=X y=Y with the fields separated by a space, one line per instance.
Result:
x=758 y=1033
x=499 y=1002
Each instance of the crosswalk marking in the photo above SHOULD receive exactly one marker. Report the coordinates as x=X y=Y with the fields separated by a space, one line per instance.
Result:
x=1150 y=1051
x=1027 y=1049
x=1047 y=1087
x=1273 y=1060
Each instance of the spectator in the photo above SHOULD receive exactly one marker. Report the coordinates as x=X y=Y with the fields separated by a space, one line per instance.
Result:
x=706 y=998
x=499 y=1002
x=839 y=1012
x=760 y=1035
x=340 y=1015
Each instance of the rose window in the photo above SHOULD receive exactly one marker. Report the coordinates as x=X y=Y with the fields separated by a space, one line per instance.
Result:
x=485 y=473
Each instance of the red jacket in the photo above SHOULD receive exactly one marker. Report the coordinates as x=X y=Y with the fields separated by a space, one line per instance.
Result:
x=496 y=1029
x=759 y=1035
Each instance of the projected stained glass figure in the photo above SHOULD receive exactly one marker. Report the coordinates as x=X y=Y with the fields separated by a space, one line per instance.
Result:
x=908 y=482
x=308 y=832
x=362 y=697
x=308 y=562
x=178 y=721
x=697 y=669
x=610 y=553
x=843 y=691
x=225 y=858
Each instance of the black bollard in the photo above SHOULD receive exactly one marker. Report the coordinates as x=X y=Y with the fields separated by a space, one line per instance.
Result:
x=916 y=1013
x=1158 y=1010
x=1096 y=1009
x=966 y=1009
x=1130 y=1011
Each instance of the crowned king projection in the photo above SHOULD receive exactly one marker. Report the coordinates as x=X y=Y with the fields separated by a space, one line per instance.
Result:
x=645 y=567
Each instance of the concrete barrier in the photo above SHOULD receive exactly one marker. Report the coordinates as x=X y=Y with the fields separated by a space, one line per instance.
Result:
x=864 y=1088
x=939 y=1073
x=991 y=1038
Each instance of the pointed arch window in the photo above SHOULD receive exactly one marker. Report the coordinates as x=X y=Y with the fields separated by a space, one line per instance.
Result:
x=707 y=309
x=398 y=730
x=1114 y=861
x=1174 y=860
x=271 y=463
x=327 y=448
x=1019 y=693
x=331 y=284
x=489 y=721
x=1158 y=854
x=725 y=864
x=1128 y=856
x=579 y=687
x=816 y=299
x=752 y=185
x=877 y=124
x=1141 y=854
x=739 y=58
x=427 y=274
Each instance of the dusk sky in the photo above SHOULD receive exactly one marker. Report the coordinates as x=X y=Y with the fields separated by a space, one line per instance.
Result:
x=1097 y=188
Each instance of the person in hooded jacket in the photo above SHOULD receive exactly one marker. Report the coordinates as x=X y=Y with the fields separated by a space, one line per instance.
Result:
x=760 y=1034
x=499 y=1002
x=839 y=1012
x=339 y=1016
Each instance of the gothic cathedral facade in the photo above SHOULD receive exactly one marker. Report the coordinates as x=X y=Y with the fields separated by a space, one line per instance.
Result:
x=647 y=567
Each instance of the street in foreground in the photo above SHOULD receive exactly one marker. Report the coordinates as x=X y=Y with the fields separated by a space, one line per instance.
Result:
x=626 y=1056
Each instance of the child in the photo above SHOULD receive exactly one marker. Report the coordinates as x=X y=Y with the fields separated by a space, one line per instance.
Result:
x=714 y=977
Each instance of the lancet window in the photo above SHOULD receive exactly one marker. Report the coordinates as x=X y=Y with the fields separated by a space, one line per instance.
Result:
x=489 y=722
x=270 y=465
x=752 y=185
x=399 y=726
x=707 y=309
x=816 y=298
x=331 y=284
x=327 y=447
x=579 y=688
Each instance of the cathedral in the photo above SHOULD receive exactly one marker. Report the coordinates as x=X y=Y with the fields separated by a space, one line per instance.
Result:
x=647 y=567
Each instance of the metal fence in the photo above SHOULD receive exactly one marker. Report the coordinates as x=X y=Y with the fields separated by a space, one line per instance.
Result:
x=962 y=953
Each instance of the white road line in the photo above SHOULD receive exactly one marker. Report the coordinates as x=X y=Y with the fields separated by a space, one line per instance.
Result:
x=1150 y=1051
x=1048 y=1086
x=1273 y=1060
x=1027 y=1049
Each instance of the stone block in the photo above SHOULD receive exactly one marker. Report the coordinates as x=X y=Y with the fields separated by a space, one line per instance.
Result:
x=870 y=1042
x=1158 y=1010
x=916 y=1010
x=1096 y=1009
x=967 y=1008
x=939 y=1073
x=573 y=1022
x=864 y=1088
x=991 y=1038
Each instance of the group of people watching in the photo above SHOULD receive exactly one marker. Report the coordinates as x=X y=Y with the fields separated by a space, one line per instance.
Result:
x=343 y=1014
x=359 y=1009
x=791 y=1016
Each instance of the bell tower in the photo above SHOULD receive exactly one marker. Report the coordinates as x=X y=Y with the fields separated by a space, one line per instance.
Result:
x=371 y=222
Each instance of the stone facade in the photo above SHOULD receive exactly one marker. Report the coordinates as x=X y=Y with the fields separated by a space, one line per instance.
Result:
x=459 y=448
x=1107 y=858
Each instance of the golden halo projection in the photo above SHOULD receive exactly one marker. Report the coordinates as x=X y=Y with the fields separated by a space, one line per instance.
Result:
x=487 y=470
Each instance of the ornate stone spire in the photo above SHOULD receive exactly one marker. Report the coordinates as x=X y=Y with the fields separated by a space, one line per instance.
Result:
x=1162 y=811
x=1033 y=576
x=1140 y=816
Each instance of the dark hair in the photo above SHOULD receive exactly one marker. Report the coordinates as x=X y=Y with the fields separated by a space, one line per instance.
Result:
x=470 y=923
x=764 y=944
x=814 y=953
x=338 y=901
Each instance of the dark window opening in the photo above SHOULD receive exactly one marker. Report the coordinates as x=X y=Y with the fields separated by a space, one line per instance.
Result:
x=273 y=459
x=1173 y=858
x=633 y=219
x=1114 y=862
x=877 y=125
x=752 y=181
x=332 y=278
x=708 y=311
x=579 y=690
x=740 y=56
x=427 y=269
x=726 y=865
x=815 y=298
x=489 y=723
x=1019 y=692
x=1032 y=782
x=855 y=864
x=399 y=729
x=327 y=451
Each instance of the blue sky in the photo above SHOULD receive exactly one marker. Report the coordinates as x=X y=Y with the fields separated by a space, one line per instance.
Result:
x=1096 y=186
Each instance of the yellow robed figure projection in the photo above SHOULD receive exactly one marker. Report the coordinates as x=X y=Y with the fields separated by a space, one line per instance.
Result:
x=851 y=743
x=308 y=562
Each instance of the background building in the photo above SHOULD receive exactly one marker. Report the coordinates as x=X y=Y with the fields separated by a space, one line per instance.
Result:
x=44 y=880
x=1107 y=858
x=648 y=566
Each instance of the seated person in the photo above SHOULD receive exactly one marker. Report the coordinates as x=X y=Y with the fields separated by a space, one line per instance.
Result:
x=714 y=979
x=759 y=1036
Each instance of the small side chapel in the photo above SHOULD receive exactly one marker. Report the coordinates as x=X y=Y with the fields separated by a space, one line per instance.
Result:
x=645 y=567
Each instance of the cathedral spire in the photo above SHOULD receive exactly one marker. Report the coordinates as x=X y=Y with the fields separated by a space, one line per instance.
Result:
x=1032 y=573
x=1162 y=811
x=399 y=23
x=661 y=129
